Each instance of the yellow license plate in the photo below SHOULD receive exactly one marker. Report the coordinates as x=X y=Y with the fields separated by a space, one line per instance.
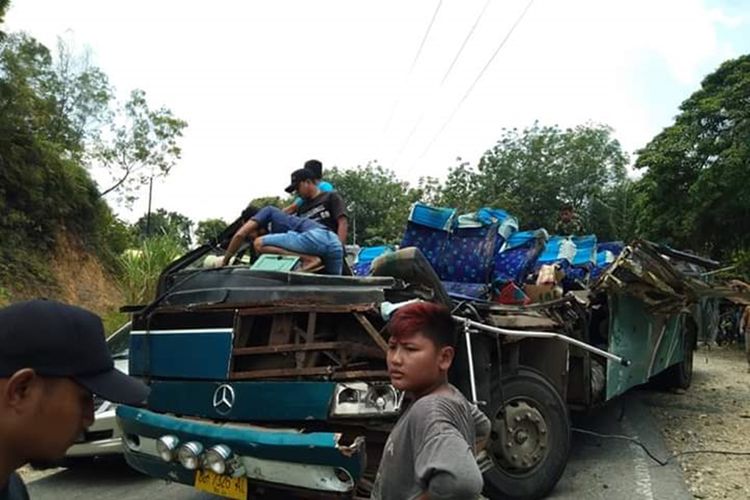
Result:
x=229 y=487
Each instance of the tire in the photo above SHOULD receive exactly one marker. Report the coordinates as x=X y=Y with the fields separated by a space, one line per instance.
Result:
x=535 y=410
x=680 y=376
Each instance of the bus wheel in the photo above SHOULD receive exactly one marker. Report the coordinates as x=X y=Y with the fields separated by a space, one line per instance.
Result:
x=530 y=438
x=680 y=376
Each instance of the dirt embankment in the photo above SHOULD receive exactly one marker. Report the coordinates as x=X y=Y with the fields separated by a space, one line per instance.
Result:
x=713 y=414
x=77 y=277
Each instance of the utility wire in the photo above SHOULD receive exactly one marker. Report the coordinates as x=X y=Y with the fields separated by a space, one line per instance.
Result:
x=653 y=457
x=424 y=38
x=466 y=40
x=445 y=77
x=479 y=77
x=414 y=62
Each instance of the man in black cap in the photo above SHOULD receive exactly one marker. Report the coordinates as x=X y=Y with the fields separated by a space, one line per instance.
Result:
x=316 y=167
x=327 y=208
x=53 y=358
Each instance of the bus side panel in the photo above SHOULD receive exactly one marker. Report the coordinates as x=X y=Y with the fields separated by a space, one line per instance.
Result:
x=651 y=341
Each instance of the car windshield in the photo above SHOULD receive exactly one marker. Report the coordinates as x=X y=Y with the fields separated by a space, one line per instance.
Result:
x=119 y=341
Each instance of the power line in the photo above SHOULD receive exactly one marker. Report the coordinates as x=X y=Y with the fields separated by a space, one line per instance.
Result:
x=479 y=77
x=426 y=34
x=466 y=40
x=445 y=76
x=414 y=62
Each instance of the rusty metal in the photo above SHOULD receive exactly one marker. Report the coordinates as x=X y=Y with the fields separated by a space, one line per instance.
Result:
x=351 y=347
x=329 y=372
x=284 y=308
x=360 y=375
x=283 y=373
x=371 y=331
x=351 y=449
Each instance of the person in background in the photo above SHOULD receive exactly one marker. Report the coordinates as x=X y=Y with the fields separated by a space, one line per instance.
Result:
x=53 y=358
x=316 y=168
x=745 y=329
x=568 y=224
x=430 y=453
x=276 y=232
x=327 y=208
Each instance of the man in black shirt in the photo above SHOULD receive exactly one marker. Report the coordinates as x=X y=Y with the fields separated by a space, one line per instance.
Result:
x=53 y=358
x=327 y=208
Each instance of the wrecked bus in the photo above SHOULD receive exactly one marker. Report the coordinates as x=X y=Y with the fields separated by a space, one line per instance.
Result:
x=266 y=381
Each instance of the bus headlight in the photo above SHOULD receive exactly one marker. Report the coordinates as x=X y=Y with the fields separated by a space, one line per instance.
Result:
x=366 y=399
x=189 y=455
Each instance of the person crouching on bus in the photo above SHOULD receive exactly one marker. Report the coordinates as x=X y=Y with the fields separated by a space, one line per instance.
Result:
x=275 y=232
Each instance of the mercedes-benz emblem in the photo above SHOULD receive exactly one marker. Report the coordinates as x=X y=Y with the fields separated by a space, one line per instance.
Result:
x=223 y=399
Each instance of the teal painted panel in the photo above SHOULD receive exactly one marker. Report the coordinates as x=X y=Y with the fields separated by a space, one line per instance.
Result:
x=187 y=354
x=253 y=401
x=288 y=445
x=652 y=343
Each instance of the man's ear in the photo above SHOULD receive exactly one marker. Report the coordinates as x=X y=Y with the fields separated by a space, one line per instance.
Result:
x=18 y=390
x=445 y=357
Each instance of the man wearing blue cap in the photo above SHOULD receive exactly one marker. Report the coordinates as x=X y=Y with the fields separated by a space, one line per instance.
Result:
x=53 y=359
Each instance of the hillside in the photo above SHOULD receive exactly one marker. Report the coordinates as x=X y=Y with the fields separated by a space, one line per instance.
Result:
x=73 y=275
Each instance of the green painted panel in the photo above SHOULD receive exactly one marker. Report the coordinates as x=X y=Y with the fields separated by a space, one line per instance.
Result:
x=268 y=262
x=652 y=342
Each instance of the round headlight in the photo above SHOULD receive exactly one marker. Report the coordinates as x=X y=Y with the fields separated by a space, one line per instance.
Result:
x=166 y=447
x=189 y=454
x=216 y=458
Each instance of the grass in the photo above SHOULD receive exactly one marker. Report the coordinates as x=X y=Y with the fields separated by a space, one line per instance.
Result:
x=140 y=268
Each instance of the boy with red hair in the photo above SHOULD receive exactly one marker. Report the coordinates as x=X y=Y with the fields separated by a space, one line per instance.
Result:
x=430 y=451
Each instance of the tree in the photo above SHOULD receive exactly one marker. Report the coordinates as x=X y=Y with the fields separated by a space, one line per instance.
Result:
x=274 y=201
x=532 y=172
x=142 y=144
x=82 y=96
x=209 y=229
x=164 y=223
x=4 y=4
x=693 y=193
x=44 y=190
x=378 y=202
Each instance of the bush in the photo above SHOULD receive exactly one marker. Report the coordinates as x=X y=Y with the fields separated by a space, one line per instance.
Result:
x=140 y=267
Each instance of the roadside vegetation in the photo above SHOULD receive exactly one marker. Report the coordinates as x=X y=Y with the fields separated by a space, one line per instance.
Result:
x=61 y=122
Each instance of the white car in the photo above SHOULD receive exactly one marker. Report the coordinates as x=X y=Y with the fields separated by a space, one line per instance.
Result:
x=103 y=438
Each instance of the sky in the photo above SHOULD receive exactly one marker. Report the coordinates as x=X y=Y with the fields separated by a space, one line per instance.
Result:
x=265 y=86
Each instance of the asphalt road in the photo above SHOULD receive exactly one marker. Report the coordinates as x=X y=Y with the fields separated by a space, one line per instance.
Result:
x=598 y=468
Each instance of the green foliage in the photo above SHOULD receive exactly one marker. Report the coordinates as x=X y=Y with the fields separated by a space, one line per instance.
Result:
x=52 y=111
x=5 y=296
x=532 y=172
x=43 y=189
x=209 y=229
x=4 y=4
x=274 y=201
x=163 y=223
x=378 y=202
x=141 y=267
x=113 y=320
x=694 y=191
x=142 y=143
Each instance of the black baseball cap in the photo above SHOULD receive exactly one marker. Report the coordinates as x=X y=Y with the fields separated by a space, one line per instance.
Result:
x=298 y=176
x=59 y=340
x=315 y=167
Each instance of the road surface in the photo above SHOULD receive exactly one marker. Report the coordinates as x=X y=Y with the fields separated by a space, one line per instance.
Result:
x=598 y=468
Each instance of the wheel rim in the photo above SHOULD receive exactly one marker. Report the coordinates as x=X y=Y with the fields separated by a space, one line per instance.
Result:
x=520 y=437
